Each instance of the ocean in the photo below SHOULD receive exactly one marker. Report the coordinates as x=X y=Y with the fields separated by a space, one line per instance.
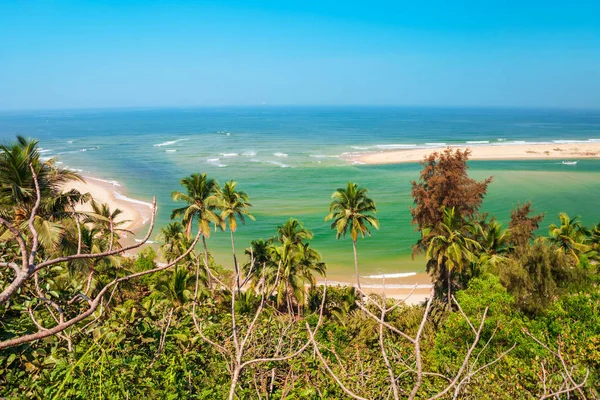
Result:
x=290 y=160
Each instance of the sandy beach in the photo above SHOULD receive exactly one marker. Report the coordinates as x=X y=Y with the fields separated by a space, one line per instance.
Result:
x=137 y=213
x=412 y=287
x=570 y=151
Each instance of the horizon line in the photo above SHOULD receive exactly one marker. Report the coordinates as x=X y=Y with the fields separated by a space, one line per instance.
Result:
x=232 y=106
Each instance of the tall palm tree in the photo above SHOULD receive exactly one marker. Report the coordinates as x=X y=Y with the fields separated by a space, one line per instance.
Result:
x=569 y=236
x=350 y=209
x=299 y=262
x=451 y=248
x=234 y=205
x=202 y=201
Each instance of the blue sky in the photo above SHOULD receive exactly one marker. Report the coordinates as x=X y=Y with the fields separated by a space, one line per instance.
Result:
x=79 y=54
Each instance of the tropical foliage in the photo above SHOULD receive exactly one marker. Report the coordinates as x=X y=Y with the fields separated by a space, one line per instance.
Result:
x=516 y=315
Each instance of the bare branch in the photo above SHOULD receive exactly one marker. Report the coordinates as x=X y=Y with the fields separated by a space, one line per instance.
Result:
x=38 y=197
x=93 y=305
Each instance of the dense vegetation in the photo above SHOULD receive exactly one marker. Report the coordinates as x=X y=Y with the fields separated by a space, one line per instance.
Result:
x=513 y=314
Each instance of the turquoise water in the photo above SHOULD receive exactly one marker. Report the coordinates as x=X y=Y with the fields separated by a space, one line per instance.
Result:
x=290 y=160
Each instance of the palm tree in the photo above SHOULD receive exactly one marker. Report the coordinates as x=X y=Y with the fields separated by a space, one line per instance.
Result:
x=292 y=231
x=298 y=262
x=350 y=209
x=569 y=236
x=107 y=223
x=18 y=193
x=17 y=190
x=494 y=241
x=174 y=241
x=234 y=205
x=450 y=248
x=260 y=267
x=202 y=201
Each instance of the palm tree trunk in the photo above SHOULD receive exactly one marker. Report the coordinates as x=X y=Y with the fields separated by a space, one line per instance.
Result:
x=356 y=266
x=209 y=281
x=235 y=264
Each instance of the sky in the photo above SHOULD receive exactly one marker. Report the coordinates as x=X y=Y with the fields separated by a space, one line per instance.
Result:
x=506 y=53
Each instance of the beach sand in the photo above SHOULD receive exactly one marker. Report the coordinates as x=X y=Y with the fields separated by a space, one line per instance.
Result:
x=104 y=192
x=413 y=288
x=570 y=151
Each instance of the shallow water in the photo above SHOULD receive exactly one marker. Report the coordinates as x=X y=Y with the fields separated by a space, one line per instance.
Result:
x=289 y=160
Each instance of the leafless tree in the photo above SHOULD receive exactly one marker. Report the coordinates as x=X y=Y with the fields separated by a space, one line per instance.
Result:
x=236 y=349
x=468 y=367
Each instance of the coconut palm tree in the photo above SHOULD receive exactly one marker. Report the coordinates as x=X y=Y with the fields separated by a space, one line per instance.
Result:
x=494 y=241
x=18 y=193
x=202 y=201
x=451 y=248
x=174 y=241
x=351 y=210
x=234 y=205
x=17 y=189
x=296 y=261
x=107 y=223
x=260 y=266
x=292 y=231
x=569 y=236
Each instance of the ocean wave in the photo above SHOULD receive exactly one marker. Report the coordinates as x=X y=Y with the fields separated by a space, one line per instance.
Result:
x=279 y=164
x=112 y=182
x=360 y=147
x=435 y=144
x=566 y=141
x=147 y=241
x=130 y=200
x=593 y=140
x=170 y=142
x=379 y=286
x=391 y=276
x=477 y=141
x=70 y=141
x=42 y=150
x=215 y=162
x=323 y=156
x=355 y=162
x=280 y=154
x=249 y=153
x=394 y=146
x=229 y=154
x=170 y=151
x=90 y=148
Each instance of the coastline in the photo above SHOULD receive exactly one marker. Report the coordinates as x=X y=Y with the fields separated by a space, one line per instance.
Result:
x=136 y=212
x=531 y=151
x=395 y=286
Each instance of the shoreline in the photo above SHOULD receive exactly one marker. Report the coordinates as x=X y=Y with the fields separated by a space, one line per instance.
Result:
x=394 y=286
x=135 y=211
x=554 y=151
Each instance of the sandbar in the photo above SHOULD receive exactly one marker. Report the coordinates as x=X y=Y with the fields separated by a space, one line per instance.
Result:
x=567 y=152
